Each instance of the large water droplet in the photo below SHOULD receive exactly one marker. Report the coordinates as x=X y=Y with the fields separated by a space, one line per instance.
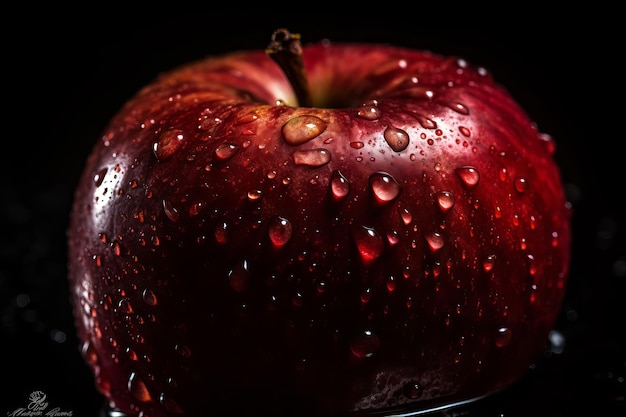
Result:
x=445 y=200
x=459 y=108
x=397 y=139
x=311 y=157
x=384 y=187
x=465 y=131
x=365 y=344
x=226 y=151
x=167 y=144
x=301 y=129
x=254 y=195
x=368 y=242
x=435 y=241
x=469 y=175
x=339 y=185
x=280 y=231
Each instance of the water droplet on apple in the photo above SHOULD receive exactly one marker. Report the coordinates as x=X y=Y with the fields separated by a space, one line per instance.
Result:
x=357 y=144
x=397 y=139
x=254 y=195
x=384 y=187
x=280 y=231
x=459 y=108
x=465 y=131
x=208 y=123
x=445 y=200
x=297 y=299
x=170 y=211
x=469 y=175
x=369 y=112
x=364 y=344
x=247 y=118
x=117 y=250
x=311 y=157
x=125 y=306
x=405 y=215
x=392 y=237
x=368 y=242
x=320 y=287
x=149 y=297
x=221 y=233
x=98 y=178
x=167 y=144
x=239 y=276
x=301 y=129
x=533 y=294
x=435 y=241
x=412 y=390
x=489 y=262
x=366 y=295
x=503 y=337
x=132 y=354
x=339 y=185
x=532 y=265
x=138 y=389
x=548 y=142
x=226 y=151
x=521 y=184
x=424 y=121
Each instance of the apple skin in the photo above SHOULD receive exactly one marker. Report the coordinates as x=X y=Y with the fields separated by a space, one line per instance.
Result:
x=402 y=244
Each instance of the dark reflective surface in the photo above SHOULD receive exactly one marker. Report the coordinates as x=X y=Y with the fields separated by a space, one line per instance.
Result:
x=72 y=75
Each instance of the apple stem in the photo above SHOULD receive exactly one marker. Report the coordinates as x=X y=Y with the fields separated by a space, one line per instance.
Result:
x=285 y=49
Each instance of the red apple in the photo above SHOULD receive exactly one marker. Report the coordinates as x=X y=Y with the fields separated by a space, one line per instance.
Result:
x=314 y=231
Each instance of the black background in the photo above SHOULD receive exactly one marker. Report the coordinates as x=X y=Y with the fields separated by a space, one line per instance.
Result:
x=66 y=72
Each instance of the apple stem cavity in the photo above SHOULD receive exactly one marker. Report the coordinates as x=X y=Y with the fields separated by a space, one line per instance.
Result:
x=285 y=49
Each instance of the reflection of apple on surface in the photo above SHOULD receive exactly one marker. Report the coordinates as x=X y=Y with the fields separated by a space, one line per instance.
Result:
x=391 y=234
